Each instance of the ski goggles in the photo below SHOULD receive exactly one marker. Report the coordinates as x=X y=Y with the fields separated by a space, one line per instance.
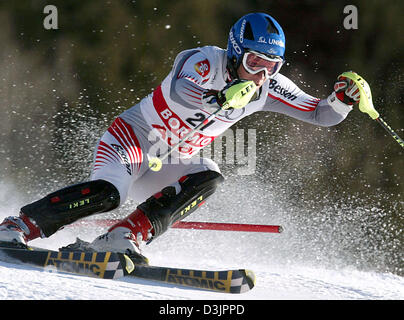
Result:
x=255 y=62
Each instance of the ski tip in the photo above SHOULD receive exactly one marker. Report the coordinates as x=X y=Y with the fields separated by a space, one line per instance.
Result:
x=244 y=281
x=251 y=276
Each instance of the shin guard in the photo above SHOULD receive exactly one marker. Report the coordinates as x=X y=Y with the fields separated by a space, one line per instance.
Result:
x=72 y=203
x=166 y=207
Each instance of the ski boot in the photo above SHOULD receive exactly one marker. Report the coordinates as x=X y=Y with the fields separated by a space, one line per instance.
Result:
x=17 y=231
x=124 y=237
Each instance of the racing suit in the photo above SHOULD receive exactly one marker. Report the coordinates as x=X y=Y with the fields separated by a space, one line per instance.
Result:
x=175 y=107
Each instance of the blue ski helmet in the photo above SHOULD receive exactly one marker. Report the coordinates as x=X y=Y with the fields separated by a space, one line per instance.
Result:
x=254 y=32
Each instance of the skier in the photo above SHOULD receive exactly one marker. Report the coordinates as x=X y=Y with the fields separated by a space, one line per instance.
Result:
x=201 y=80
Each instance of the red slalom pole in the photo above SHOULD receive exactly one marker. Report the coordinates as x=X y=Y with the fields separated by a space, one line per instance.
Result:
x=227 y=226
x=196 y=225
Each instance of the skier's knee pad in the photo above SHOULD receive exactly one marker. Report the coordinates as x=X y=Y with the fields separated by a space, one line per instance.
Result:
x=166 y=207
x=69 y=204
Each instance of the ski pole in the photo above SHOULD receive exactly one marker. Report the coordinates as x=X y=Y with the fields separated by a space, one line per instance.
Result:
x=366 y=104
x=390 y=130
x=236 y=96
x=195 y=225
x=156 y=163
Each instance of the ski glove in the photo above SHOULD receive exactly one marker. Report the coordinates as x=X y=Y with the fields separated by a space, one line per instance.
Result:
x=346 y=91
x=235 y=95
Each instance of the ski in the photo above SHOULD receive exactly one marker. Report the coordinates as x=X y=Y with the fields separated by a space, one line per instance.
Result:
x=227 y=281
x=112 y=265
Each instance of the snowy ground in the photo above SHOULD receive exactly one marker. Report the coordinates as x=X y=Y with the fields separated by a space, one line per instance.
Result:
x=296 y=283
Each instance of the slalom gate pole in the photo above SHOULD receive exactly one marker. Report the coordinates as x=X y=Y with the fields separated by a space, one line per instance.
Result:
x=196 y=225
x=227 y=226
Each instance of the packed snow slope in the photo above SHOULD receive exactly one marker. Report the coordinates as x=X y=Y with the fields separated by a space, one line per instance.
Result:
x=323 y=256
x=273 y=282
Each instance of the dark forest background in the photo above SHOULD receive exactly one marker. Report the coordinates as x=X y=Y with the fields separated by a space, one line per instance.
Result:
x=60 y=89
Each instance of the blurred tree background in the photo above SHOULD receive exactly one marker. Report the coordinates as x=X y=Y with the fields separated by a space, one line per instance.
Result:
x=60 y=89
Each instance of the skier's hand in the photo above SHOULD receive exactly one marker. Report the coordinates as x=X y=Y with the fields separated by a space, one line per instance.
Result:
x=235 y=95
x=346 y=91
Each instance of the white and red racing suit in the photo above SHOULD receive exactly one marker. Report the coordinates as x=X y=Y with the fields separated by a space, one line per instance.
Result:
x=175 y=107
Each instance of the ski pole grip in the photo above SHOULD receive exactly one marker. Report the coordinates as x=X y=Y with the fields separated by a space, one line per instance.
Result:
x=365 y=102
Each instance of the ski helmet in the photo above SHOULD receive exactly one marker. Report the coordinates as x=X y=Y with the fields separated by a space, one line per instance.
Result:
x=257 y=32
